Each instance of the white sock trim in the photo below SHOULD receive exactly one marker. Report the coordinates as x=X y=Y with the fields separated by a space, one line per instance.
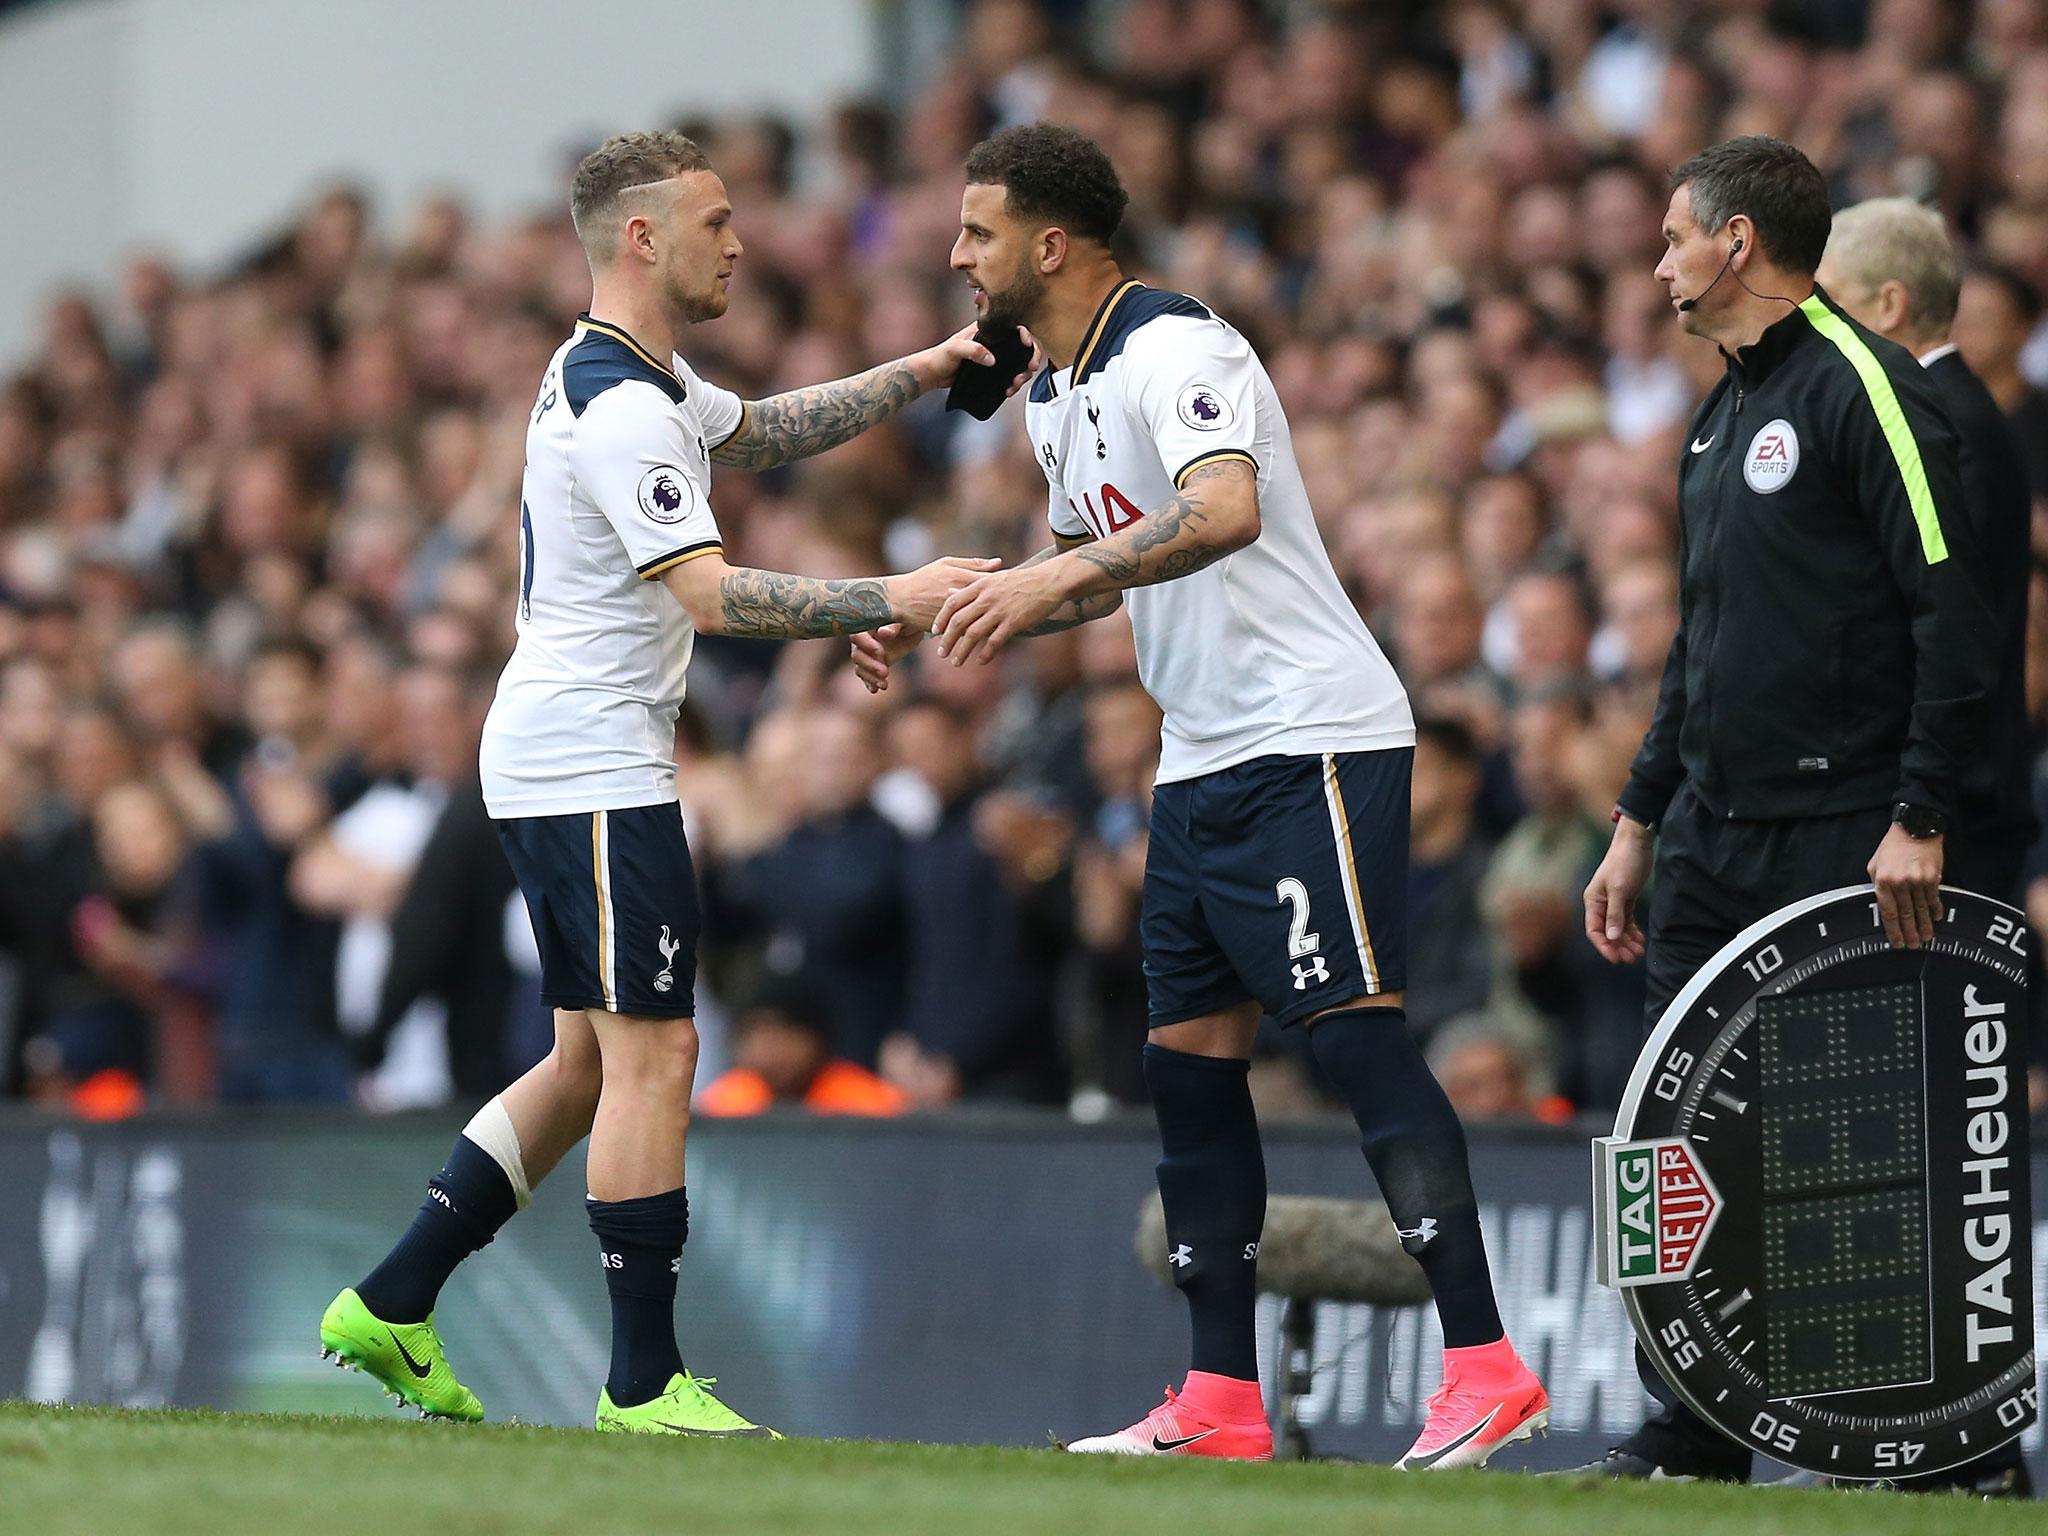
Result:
x=492 y=1130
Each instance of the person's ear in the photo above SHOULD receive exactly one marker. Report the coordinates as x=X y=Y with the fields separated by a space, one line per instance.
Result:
x=638 y=236
x=1892 y=304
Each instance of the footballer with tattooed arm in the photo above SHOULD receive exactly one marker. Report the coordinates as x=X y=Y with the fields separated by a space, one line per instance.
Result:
x=1276 y=871
x=621 y=566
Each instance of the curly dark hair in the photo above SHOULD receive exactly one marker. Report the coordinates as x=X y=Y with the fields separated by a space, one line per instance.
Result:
x=1052 y=174
x=1774 y=184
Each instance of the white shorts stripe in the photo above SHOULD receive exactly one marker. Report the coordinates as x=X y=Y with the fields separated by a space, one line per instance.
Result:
x=1347 y=867
x=607 y=924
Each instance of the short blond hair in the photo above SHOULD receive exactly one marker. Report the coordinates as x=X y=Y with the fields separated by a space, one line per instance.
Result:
x=1896 y=239
x=622 y=164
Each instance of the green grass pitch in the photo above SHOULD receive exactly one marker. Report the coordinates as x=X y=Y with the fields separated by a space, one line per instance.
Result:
x=108 y=1472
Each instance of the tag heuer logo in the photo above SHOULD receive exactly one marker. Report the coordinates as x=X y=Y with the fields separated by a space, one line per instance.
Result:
x=1661 y=1205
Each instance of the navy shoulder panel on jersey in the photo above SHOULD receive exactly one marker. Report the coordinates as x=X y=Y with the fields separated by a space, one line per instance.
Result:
x=1041 y=385
x=1127 y=311
x=603 y=357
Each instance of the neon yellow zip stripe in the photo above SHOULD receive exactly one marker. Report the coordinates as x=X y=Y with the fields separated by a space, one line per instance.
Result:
x=1890 y=416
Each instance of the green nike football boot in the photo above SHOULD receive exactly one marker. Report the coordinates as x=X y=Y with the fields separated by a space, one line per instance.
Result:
x=406 y=1357
x=686 y=1408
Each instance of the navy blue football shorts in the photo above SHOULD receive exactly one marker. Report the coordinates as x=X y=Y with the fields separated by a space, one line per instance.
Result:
x=613 y=899
x=1282 y=880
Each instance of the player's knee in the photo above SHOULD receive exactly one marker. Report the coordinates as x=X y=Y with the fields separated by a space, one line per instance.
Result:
x=662 y=1056
x=578 y=1069
x=1227 y=1034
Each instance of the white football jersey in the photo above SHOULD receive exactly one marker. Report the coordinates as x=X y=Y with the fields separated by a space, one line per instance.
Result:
x=617 y=490
x=1262 y=653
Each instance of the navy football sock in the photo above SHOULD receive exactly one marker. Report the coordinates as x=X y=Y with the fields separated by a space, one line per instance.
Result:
x=467 y=1201
x=641 y=1243
x=1212 y=1183
x=1417 y=1151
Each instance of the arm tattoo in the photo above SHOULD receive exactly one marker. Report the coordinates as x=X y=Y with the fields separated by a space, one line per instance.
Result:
x=1075 y=611
x=801 y=422
x=1177 y=530
x=776 y=606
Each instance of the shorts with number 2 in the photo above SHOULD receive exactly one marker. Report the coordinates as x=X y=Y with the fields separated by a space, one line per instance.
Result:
x=1284 y=880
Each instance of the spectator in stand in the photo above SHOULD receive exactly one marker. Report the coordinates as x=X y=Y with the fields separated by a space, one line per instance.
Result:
x=1121 y=730
x=449 y=930
x=1638 y=617
x=1995 y=313
x=1485 y=1070
x=47 y=862
x=1551 y=632
x=782 y=1059
x=353 y=872
x=1437 y=222
x=824 y=901
x=980 y=934
x=1530 y=896
x=1505 y=520
x=159 y=681
x=126 y=1009
x=1437 y=627
x=276 y=1034
x=1450 y=950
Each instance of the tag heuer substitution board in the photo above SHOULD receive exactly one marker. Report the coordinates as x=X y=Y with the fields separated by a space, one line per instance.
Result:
x=1815 y=1201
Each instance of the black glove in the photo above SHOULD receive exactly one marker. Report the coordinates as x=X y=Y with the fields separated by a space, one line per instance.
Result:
x=978 y=388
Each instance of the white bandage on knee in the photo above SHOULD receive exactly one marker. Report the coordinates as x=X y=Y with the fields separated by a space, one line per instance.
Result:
x=492 y=1130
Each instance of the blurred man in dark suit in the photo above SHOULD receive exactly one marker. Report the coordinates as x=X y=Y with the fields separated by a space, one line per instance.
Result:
x=1891 y=265
x=1996 y=312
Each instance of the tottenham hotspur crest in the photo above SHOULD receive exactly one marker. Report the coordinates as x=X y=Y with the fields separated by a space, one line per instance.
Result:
x=665 y=978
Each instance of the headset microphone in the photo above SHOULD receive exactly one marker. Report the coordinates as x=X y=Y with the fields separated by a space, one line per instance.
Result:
x=1685 y=305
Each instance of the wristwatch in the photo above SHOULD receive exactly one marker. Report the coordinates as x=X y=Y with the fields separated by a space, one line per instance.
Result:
x=1918 y=820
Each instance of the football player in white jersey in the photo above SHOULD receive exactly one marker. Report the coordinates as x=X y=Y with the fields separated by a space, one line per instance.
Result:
x=1276 y=873
x=621 y=565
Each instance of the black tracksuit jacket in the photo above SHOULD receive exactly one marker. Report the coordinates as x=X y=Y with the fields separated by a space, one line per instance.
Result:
x=1835 y=648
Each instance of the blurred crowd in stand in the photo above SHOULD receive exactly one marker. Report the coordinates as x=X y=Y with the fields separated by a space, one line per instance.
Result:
x=258 y=550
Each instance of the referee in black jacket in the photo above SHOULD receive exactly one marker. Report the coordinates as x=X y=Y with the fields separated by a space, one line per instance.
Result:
x=1827 y=685
x=1892 y=268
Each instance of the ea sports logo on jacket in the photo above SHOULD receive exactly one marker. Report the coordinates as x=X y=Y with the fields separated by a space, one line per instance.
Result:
x=1773 y=457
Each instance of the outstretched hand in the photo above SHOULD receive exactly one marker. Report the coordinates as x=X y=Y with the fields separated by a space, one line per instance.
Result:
x=876 y=650
x=982 y=616
x=916 y=596
x=937 y=367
